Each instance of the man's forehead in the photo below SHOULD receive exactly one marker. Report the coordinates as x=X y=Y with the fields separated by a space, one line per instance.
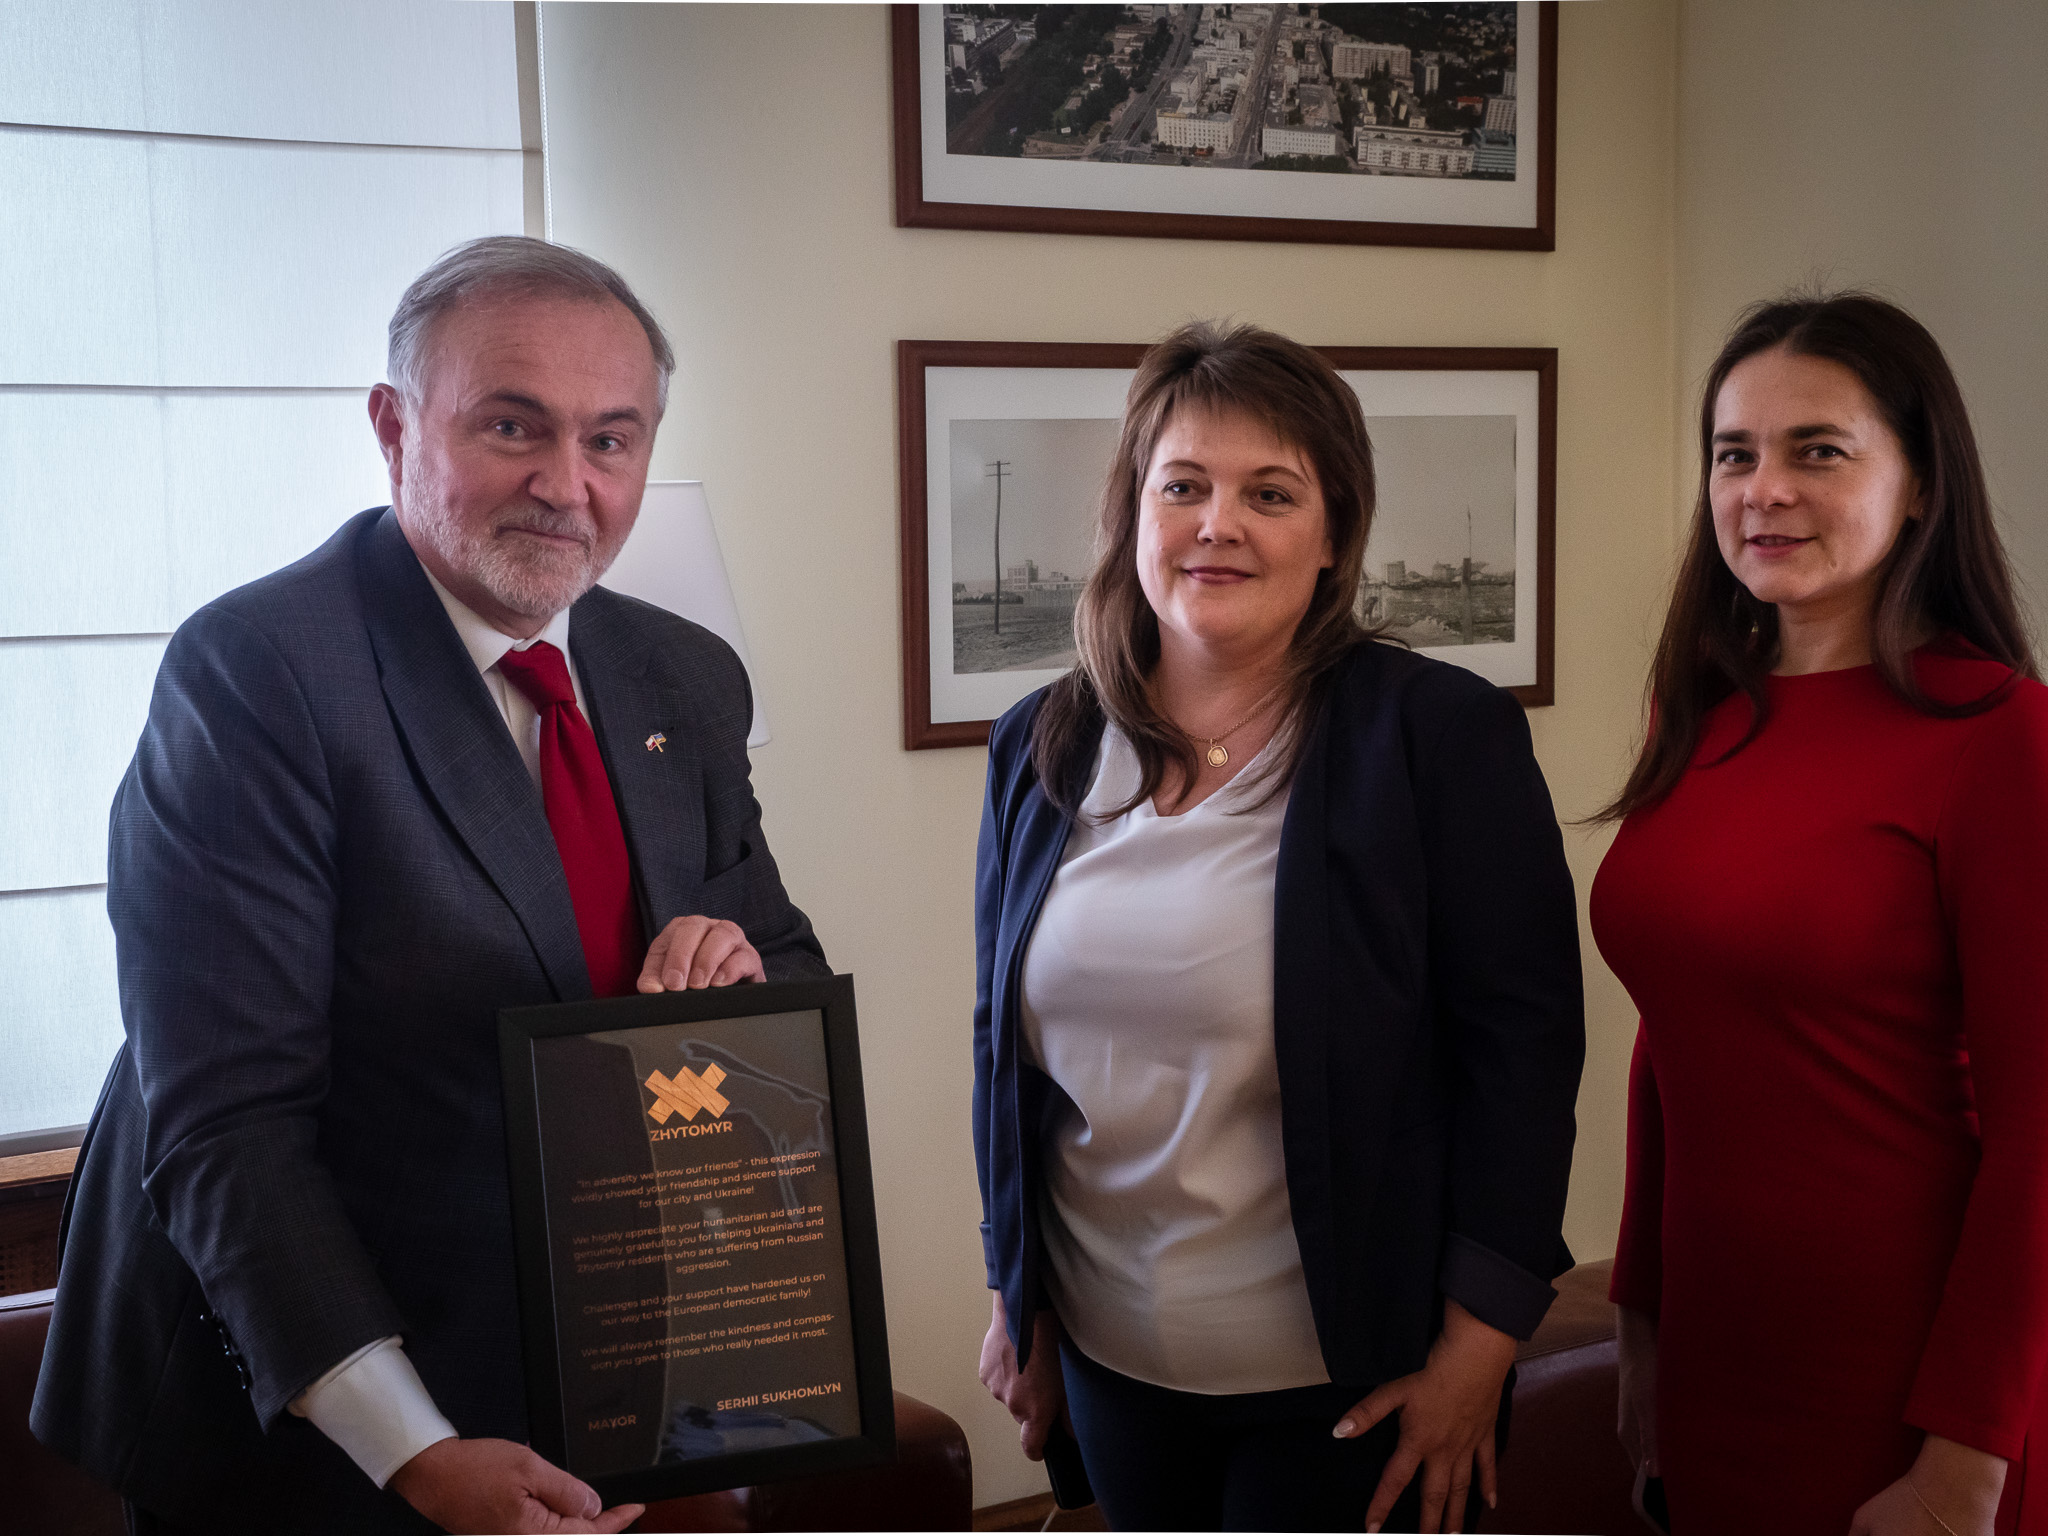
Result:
x=540 y=344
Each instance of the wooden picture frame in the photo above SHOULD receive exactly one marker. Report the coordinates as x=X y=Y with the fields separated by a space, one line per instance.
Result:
x=1057 y=403
x=941 y=187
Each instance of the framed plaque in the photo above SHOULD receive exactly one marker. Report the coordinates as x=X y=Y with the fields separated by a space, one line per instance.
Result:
x=693 y=1210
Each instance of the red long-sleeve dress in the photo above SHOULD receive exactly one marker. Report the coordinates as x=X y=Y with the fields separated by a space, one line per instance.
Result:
x=1837 y=1201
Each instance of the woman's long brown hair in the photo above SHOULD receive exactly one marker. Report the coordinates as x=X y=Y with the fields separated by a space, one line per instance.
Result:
x=1947 y=575
x=1237 y=371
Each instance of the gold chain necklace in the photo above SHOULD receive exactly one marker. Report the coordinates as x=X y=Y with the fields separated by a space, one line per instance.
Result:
x=1218 y=755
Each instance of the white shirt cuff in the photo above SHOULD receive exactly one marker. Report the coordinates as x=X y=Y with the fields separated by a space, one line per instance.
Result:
x=375 y=1407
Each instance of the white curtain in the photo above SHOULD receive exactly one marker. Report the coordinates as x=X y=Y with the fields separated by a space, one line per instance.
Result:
x=211 y=207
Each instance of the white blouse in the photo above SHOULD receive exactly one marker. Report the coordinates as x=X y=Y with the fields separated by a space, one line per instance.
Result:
x=1148 y=997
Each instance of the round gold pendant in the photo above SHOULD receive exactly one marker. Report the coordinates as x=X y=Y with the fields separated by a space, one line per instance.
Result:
x=1218 y=756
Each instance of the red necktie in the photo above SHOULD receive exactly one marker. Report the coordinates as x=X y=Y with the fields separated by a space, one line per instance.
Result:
x=585 y=820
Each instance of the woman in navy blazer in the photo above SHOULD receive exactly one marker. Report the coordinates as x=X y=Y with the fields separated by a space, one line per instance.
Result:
x=1425 y=1034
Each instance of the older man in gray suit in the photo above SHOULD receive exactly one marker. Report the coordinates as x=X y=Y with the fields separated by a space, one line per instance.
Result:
x=382 y=794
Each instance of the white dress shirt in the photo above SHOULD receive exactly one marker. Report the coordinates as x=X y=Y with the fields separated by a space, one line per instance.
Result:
x=375 y=1407
x=373 y=1404
x=1148 y=997
x=485 y=645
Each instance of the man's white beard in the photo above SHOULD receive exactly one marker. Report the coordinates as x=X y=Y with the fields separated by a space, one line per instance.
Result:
x=524 y=576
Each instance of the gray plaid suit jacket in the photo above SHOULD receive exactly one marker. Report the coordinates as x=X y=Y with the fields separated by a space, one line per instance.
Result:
x=328 y=870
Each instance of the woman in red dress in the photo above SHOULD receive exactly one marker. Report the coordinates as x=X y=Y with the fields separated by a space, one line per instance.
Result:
x=1829 y=900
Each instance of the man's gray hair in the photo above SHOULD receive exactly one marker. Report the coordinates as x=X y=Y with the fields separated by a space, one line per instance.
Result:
x=508 y=266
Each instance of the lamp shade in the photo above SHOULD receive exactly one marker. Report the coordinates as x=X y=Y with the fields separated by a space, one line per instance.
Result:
x=671 y=560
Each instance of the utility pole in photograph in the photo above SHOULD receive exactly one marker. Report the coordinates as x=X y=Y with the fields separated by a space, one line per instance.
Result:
x=995 y=472
x=1465 y=579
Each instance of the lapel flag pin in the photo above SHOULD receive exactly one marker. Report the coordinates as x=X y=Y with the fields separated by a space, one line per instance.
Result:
x=654 y=742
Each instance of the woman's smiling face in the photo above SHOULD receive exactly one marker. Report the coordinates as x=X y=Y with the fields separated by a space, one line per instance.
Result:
x=1232 y=534
x=1809 y=487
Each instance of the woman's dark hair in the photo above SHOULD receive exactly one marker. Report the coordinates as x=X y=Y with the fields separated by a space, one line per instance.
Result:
x=1946 y=577
x=1235 y=371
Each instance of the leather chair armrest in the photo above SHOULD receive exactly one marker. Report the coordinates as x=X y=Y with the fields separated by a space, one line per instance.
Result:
x=1565 y=1469
x=39 y=1490
x=929 y=1486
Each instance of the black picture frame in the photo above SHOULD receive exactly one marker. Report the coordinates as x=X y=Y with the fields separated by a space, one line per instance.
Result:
x=541 y=1297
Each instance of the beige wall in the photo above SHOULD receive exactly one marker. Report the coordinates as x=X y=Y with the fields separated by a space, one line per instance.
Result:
x=757 y=222
x=1901 y=146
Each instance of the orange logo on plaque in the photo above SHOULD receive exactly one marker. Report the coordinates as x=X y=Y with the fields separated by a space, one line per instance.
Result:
x=687 y=1093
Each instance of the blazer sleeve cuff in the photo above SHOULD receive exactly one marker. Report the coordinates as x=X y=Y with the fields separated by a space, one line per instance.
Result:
x=1496 y=1290
x=988 y=1257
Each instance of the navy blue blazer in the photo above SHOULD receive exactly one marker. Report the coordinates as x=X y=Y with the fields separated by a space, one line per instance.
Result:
x=1427 y=1013
x=328 y=870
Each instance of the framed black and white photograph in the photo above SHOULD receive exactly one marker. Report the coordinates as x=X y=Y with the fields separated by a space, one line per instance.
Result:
x=1368 y=124
x=693 y=1208
x=1004 y=447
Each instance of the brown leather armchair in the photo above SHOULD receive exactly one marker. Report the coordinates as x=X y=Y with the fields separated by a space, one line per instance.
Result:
x=1565 y=1471
x=40 y=1493
x=928 y=1487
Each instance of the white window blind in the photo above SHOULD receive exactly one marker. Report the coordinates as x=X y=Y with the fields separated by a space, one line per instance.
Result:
x=212 y=208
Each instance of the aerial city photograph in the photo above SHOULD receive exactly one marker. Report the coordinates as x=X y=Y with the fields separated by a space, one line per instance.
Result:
x=1375 y=89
